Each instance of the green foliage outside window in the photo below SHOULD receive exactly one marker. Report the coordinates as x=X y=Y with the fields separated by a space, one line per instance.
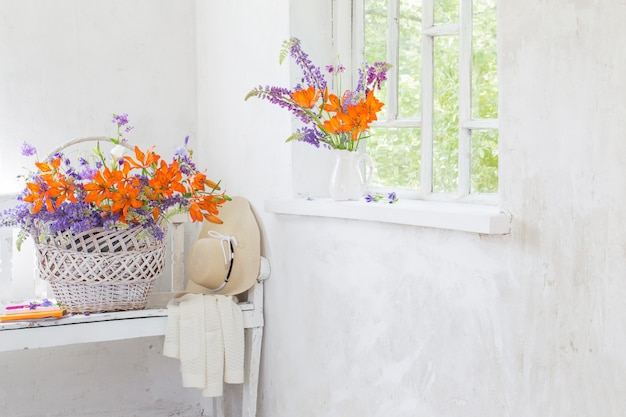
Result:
x=396 y=151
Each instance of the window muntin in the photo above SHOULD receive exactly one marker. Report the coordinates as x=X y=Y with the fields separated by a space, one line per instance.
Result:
x=439 y=130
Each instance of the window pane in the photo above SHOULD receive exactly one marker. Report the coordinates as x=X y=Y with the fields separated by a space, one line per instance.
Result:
x=396 y=155
x=376 y=40
x=446 y=115
x=409 y=67
x=484 y=161
x=446 y=11
x=484 y=61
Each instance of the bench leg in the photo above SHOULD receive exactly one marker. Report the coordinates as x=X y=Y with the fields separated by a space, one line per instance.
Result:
x=254 y=337
x=218 y=406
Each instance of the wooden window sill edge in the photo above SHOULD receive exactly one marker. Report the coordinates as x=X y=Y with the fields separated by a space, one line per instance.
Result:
x=466 y=217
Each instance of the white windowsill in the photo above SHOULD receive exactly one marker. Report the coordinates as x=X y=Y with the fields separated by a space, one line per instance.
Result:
x=474 y=218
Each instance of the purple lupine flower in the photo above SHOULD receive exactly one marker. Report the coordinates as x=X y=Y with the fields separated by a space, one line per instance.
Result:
x=28 y=149
x=120 y=119
x=310 y=135
x=348 y=99
x=376 y=75
x=157 y=232
x=180 y=152
x=77 y=217
x=15 y=216
x=312 y=74
x=392 y=197
x=187 y=167
x=281 y=96
x=369 y=198
x=70 y=172
x=88 y=173
x=360 y=85
x=337 y=69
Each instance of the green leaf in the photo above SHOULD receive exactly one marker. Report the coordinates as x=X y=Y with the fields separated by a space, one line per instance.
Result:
x=253 y=93
x=295 y=136
x=286 y=47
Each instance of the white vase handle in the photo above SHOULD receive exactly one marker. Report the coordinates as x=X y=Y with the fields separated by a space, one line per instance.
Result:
x=369 y=169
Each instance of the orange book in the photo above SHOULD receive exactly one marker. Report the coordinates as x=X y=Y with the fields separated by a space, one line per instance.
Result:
x=33 y=314
x=26 y=309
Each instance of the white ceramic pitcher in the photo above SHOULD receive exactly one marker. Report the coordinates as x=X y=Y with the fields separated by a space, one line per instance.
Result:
x=351 y=175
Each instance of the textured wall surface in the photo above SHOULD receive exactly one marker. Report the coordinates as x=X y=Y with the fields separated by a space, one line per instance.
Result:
x=68 y=65
x=372 y=319
x=65 y=67
x=383 y=320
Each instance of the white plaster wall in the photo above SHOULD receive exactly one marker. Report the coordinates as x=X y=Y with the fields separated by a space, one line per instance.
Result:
x=563 y=129
x=65 y=67
x=383 y=320
x=370 y=319
x=109 y=379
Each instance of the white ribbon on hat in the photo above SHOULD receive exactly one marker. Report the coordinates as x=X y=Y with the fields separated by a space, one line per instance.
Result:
x=226 y=242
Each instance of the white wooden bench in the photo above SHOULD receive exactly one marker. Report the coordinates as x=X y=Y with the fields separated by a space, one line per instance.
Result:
x=152 y=321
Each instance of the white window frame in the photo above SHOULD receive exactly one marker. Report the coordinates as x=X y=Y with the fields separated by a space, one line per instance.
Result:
x=349 y=41
x=483 y=216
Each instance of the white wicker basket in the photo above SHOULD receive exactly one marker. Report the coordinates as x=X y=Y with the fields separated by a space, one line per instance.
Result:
x=101 y=270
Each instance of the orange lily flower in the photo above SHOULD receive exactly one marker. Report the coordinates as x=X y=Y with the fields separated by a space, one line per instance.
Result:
x=197 y=182
x=51 y=166
x=373 y=106
x=167 y=180
x=143 y=161
x=98 y=189
x=122 y=176
x=40 y=194
x=356 y=118
x=306 y=98
x=333 y=104
x=334 y=125
x=65 y=190
x=124 y=199
x=206 y=208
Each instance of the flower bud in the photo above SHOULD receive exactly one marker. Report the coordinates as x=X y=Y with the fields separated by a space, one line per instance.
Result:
x=118 y=151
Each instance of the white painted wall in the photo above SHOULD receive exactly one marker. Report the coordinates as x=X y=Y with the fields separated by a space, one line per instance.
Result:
x=371 y=319
x=367 y=319
x=65 y=67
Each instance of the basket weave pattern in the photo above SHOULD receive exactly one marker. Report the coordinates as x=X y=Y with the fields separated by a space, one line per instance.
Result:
x=101 y=270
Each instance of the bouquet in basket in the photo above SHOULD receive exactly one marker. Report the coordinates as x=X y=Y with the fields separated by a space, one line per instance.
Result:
x=98 y=222
x=128 y=188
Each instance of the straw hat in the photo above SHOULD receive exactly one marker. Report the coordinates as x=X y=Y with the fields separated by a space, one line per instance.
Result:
x=226 y=257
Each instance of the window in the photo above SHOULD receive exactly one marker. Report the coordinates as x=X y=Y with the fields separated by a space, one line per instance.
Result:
x=437 y=136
